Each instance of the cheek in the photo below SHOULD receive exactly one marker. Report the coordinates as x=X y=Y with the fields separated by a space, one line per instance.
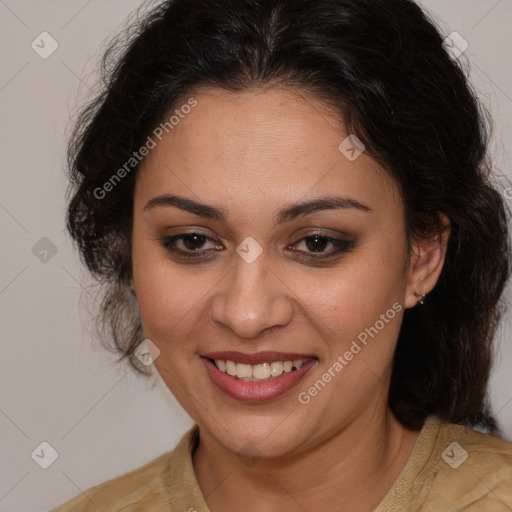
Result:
x=357 y=315
x=166 y=296
x=353 y=296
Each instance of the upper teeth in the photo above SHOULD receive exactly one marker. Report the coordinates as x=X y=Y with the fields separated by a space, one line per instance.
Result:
x=258 y=371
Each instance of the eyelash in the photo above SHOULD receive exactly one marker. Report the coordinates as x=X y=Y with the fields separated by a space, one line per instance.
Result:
x=342 y=246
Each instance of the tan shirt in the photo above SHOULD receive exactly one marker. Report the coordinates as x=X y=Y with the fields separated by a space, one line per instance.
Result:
x=437 y=478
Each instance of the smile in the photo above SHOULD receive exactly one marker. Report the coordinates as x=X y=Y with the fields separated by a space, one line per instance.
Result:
x=256 y=377
x=258 y=372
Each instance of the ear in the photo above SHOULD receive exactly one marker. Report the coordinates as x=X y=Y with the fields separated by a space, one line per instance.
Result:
x=426 y=262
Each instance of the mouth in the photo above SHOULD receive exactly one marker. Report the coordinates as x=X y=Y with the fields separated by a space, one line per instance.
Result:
x=257 y=377
x=259 y=372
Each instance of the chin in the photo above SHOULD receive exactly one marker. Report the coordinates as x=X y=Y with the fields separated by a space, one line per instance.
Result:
x=253 y=437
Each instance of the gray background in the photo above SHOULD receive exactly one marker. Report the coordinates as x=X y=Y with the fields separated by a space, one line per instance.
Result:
x=57 y=384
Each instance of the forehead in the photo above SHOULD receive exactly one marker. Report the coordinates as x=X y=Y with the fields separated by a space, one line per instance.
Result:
x=266 y=146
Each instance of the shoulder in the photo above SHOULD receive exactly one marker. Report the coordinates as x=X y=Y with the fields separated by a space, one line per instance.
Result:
x=469 y=470
x=461 y=447
x=133 y=488
x=144 y=488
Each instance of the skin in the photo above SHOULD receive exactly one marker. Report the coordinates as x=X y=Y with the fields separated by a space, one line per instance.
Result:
x=252 y=154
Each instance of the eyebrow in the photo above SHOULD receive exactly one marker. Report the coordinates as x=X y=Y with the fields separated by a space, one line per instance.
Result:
x=285 y=215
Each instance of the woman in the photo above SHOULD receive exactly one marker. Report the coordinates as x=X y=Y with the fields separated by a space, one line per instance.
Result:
x=296 y=193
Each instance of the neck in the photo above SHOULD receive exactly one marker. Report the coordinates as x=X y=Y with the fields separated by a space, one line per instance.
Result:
x=351 y=470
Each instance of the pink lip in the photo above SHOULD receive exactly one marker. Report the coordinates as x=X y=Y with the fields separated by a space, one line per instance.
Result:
x=257 y=358
x=250 y=391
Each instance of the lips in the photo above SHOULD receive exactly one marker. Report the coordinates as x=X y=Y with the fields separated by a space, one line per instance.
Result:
x=263 y=386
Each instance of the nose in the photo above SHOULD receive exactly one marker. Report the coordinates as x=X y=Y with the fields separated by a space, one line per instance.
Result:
x=251 y=300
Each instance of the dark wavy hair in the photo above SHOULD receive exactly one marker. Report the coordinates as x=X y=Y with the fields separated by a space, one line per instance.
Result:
x=382 y=65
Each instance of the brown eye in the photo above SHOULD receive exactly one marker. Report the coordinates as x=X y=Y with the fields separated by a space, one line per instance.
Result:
x=316 y=243
x=191 y=245
x=193 y=241
x=317 y=247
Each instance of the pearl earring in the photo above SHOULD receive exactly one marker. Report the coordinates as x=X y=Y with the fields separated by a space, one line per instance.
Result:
x=421 y=297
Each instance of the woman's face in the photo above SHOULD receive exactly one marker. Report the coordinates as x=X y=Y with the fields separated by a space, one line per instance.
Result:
x=291 y=249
